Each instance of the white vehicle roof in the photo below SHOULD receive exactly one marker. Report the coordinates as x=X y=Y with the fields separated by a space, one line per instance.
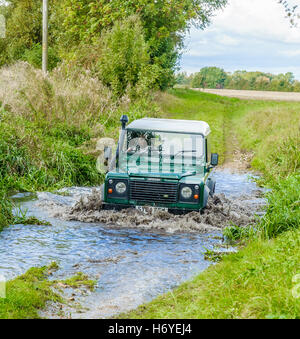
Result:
x=171 y=125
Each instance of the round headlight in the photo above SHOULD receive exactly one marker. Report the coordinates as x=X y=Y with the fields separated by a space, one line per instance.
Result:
x=121 y=187
x=186 y=192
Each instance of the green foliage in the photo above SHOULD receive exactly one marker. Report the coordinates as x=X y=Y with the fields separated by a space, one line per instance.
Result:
x=164 y=24
x=27 y=294
x=23 y=27
x=283 y=211
x=24 y=31
x=86 y=19
x=244 y=80
x=58 y=162
x=209 y=77
x=79 y=280
x=235 y=233
x=214 y=256
x=6 y=207
x=74 y=23
x=272 y=132
x=123 y=61
x=213 y=77
x=34 y=57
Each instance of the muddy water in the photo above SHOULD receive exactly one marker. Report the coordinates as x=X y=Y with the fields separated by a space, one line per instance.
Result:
x=132 y=258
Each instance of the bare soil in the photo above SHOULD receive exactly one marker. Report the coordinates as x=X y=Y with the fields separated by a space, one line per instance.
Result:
x=254 y=95
x=236 y=159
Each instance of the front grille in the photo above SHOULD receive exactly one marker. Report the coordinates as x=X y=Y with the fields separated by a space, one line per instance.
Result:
x=157 y=192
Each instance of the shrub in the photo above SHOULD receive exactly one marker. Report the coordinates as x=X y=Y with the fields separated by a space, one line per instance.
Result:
x=34 y=57
x=123 y=61
x=66 y=95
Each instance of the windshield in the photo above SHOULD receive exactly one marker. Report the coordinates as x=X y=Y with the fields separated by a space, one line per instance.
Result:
x=160 y=152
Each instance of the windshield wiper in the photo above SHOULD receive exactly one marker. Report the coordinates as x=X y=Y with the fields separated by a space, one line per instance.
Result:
x=182 y=152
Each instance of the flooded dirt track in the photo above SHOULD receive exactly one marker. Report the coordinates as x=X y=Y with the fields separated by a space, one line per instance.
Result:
x=133 y=256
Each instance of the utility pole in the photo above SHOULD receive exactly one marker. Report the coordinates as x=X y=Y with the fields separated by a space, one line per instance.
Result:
x=45 y=36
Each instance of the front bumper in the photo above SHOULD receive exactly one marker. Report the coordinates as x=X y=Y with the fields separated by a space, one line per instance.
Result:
x=120 y=207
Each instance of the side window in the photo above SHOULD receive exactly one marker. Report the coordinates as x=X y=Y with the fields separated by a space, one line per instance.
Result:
x=207 y=149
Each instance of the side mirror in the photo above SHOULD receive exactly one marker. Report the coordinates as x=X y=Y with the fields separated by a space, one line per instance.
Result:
x=214 y=159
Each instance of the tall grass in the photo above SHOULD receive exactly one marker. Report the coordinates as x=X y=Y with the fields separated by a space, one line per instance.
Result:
x=50 y=125
x=69 y=96
x=273 y=133
x=283 y=211
x=193 y=105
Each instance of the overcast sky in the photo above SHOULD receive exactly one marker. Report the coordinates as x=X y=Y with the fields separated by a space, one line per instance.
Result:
x=252 y=35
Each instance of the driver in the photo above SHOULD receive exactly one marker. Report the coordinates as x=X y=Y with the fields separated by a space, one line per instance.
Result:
x=137 y=144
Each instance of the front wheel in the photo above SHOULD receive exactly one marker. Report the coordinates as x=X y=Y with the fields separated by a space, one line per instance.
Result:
x=213 y=190
x=102 y=192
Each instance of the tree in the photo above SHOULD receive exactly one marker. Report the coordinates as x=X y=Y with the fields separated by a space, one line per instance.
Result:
x=164 y=24
x=76 y=22
x=123 y=59
x=261 y=81
x=183 y=79
x=198 y=80
x=24 y=30
x=210 y=77
x=292 y=11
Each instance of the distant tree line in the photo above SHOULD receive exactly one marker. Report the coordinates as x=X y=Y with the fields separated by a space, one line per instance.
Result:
x=214 y=77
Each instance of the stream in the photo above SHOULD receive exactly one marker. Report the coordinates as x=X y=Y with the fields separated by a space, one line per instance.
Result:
x=132 y=265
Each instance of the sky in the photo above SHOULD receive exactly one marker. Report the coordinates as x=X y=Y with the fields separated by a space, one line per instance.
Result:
x=252 y=35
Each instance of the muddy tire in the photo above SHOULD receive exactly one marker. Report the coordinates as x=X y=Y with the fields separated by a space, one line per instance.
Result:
x=102 y=191
x=213 y=190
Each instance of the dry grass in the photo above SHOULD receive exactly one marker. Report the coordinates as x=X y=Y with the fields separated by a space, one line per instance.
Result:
x=273 y=133
x=65 y=95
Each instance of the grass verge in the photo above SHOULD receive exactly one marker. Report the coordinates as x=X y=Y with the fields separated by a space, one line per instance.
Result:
x=30 y=292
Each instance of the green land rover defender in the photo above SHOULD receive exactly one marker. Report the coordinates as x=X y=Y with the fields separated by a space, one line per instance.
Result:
x=161 y=163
